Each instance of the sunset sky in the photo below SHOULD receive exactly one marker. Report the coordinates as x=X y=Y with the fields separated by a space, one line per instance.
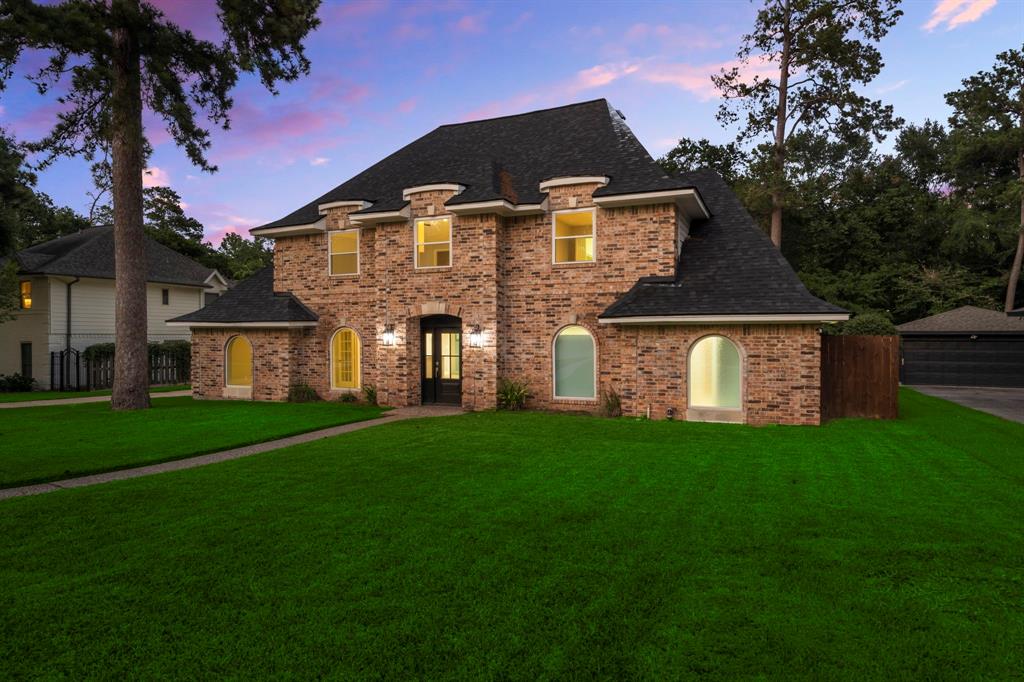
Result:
x=385 y=73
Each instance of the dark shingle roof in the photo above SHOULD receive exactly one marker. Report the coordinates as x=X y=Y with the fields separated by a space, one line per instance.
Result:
x=506 y=158
x=90 y=253
x=966 y=319
x=727 y=267
x=253 y=300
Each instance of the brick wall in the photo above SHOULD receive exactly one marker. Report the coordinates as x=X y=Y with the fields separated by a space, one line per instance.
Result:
x=503 y=279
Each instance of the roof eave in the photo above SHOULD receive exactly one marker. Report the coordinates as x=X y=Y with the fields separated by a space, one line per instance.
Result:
x=769 y=318
x=688 y=199
x=290 y=230
x=270 y=324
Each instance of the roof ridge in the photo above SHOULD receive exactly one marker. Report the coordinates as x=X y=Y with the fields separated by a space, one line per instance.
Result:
x=524 y=113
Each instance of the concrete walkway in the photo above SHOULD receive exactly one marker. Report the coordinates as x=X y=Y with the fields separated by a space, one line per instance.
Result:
x=90 y=399
x=235 y=453
x=1007 y=403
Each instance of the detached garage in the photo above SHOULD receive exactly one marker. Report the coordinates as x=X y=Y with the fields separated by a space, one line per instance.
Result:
x=968 y=346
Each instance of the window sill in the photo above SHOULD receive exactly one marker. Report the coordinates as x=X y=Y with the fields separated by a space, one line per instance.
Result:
x=343 y=274
x=575 y=264
x=432 y=268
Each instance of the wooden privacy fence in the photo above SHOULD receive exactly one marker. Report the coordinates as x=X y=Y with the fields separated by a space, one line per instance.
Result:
x=860 y=377
x=71 y=370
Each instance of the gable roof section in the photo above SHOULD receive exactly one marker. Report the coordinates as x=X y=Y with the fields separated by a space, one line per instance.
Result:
x=90 y=253
x=967 y=319
x=252 y=302
x=727 y=268
x=505 y=158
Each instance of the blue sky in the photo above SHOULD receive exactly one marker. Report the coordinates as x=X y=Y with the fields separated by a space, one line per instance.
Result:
x=384 y=73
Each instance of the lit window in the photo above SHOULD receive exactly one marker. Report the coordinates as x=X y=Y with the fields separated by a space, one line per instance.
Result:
x=239 y=362
x=345 y=359
x=574 y=237
x=715 y=374
x=25 y=289
x=433 y=243
x=345 y=252
x=574 y=363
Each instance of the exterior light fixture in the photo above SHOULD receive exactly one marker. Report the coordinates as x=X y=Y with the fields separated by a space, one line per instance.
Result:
x=476 y=336
x=389 y=335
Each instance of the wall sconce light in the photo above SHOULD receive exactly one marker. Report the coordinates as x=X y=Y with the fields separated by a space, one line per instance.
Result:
x=476 y=336
x=388 y=337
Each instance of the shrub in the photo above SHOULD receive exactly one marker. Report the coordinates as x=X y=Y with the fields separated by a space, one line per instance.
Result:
x=611 y=403
x=370 y=394
x=348 y=398
x=512 y=394
x=16 y=383
x=302 y=393
x=869 y=324
x=99 y=350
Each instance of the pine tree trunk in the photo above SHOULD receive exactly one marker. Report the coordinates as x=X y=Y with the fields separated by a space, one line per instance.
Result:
x=779 y=159
x=1018 y=258
x=131 y=359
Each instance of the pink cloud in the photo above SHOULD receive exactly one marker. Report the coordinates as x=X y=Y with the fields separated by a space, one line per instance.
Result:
x=520 y=21
x=408 y=105
x=600 y=75
x=198 y=17
x=411 y=31
x=154 y=176
x=339 y=90
x=319 y=161
x=954 y=13
x=290 y=130
x=470 y=23
x=221 y=219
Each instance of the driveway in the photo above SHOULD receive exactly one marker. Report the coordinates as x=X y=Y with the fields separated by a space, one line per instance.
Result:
x=1007 y=403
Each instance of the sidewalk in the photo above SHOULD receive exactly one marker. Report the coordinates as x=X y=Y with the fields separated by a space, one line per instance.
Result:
x=225 y=455
x=90 y=399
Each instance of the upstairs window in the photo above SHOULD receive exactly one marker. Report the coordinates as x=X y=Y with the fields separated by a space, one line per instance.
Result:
x=573 y=237
x=25 y=291
x=433 y=243
x=165 y=296
x=344 y=252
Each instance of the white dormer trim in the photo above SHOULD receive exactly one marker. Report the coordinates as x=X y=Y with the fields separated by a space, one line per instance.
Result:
x=687 y=199
x=574 y=180
x=322 y=208
x=362 y=219
x=502 y=207
x=438 y=187
x=290 y=230
x=216 y=274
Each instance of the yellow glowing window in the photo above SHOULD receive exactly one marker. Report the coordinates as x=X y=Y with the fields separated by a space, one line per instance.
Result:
x=345 y=359
x=25 y=289
x=451 y=355
x=433 y=243
x=239 y=362
x=715 y=374
x=574 y=237
x=345 y=252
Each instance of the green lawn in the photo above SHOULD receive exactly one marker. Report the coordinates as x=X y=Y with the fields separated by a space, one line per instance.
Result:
x=53 y=442
x=541 y=546
x=57 y=395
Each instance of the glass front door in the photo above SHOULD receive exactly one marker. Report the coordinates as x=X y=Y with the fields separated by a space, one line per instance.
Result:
x=441 y=366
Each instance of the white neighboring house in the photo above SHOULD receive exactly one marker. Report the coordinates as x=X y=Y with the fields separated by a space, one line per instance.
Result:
x=66 y=291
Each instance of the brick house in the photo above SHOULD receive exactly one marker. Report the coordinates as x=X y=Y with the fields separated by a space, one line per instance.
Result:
x=547 y=247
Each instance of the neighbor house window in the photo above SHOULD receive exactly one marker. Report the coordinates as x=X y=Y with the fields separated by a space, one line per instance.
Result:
x=26 y=360
x=573 y=236
x=574 y=363
x=165 y=296
x=239 y=362
x=714 y=374
x=344 y=252
x=25 y=290
x=433 y=242
x=345 y=359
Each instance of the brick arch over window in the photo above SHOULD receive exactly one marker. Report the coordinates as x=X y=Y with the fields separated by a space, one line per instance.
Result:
x=345 y=359
x=574 y=363
x=714 y=374
x=238 y=362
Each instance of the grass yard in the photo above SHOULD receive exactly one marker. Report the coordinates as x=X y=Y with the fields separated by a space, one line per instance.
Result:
x=53 y=442
x=28 y=396
x=541 y=546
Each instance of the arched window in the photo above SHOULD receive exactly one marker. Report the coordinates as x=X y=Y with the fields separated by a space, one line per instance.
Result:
x=714 y=374
x=238 y=362
x=574 y=363
x=345 y=359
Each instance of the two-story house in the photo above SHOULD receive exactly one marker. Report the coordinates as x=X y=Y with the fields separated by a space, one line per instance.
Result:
x=546 y=246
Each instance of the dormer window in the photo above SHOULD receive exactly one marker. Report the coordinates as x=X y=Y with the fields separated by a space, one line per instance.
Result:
x=433 y=243
x=573 y=236
x=344 y=247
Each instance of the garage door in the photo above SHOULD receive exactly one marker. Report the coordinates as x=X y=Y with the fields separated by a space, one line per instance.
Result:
x=960 y=361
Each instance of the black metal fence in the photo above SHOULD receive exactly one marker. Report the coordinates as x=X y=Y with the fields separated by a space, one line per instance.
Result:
x=71 y=370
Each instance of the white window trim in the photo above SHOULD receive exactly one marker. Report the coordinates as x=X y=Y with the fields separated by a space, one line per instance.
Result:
x=450 y=242
x=565 y=180
x=434 y=187
x=252 y=352
x=359 y=243
x=593 y=235
x=707 y=413
x=554 y=367
x=359 y=362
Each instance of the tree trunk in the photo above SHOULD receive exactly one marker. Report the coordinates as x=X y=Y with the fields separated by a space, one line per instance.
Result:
x=131 y=358
x=779 y=159
x=1011 y=286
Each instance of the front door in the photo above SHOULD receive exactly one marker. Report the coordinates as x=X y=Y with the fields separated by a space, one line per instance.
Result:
x=441 y=359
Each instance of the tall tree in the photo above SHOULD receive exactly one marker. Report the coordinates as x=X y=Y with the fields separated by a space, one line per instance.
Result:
x=122 y=56
x=816 y=52
x=988 y=130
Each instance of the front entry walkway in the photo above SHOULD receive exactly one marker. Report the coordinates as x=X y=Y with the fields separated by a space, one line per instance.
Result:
x=235 y=453
x=1007 y=403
